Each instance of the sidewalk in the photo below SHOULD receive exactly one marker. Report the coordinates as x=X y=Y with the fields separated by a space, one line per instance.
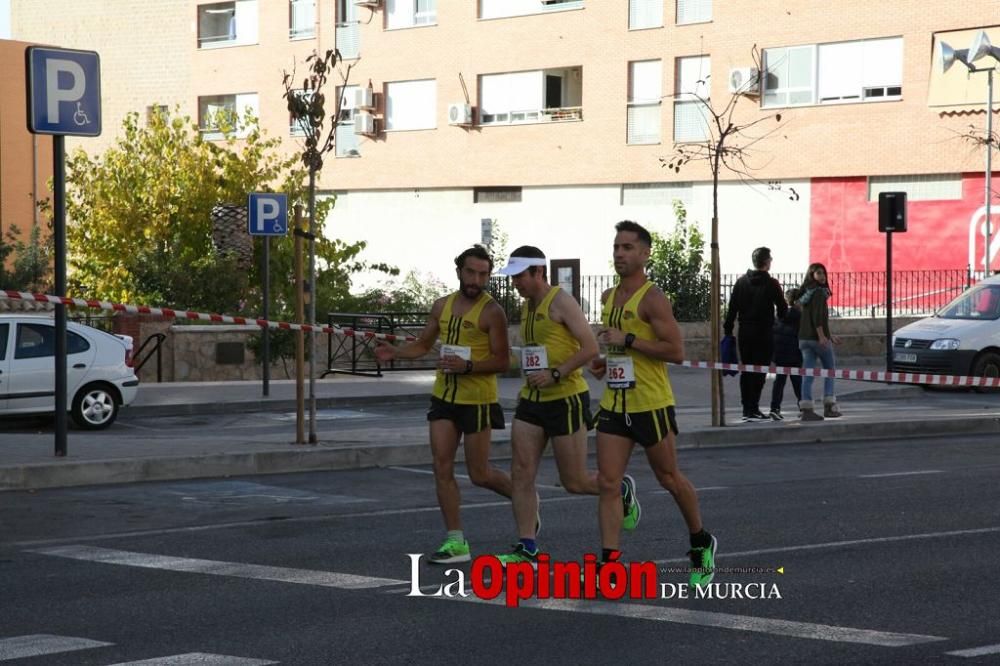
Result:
x=131 y=452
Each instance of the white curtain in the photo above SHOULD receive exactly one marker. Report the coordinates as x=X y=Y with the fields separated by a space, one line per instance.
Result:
x=246 y=21
x=693 y=76
x=502 y=93
x=645 y=14
x=411 y=105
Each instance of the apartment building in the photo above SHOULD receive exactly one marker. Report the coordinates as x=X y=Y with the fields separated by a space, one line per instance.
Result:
x=546 y=120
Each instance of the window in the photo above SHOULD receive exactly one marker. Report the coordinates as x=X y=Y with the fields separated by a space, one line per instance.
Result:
x=411 y=105
x=348 y=34
x=645 y=88
x=645 y=14
x=858 y=71
x=39 y=340
x=538 y=96
x=789 y=76
x=496 y=195
x=655 y=194
x=227 y=24
x=693 y=11
x=301 y=19
x=692 y=88
x=868 y=70
x=410 y=13
x=925 y=187
x=217 y=112
x=156 y=110
x=4 y=332
x=490 y=9
x=346 y=142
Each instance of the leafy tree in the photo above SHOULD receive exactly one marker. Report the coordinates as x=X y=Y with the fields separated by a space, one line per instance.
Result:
x=141 y=225
x=30 y=267
x=677 y=265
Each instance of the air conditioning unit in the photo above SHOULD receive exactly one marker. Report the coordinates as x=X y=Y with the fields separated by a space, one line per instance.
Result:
x=364 y=123
x=372 y=4
x=744 y=80
x=364 y=98
x=459 y=114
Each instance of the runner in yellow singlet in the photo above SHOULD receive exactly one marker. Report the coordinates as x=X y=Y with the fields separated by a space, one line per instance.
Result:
x=555 y=401
x=472 y=331
x=638 y=402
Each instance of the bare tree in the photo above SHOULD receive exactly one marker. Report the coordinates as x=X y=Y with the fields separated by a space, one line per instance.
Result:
x=307 y=108
x=728 y=145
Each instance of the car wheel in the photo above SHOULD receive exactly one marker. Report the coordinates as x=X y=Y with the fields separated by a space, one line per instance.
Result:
x=95 y=406
x=986 y=364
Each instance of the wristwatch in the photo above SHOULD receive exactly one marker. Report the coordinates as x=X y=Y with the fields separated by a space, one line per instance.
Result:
x=556 y=375
x=629 y=339
x=468 y=367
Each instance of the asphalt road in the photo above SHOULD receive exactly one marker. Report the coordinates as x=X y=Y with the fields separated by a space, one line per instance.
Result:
x=888 y=550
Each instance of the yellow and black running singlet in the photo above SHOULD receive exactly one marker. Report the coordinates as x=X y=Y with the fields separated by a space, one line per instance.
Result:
x=537 y=328
x=652 y=384
x=476 y=389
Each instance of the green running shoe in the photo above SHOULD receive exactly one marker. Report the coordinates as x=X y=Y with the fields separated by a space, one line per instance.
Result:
x=630 y=504
x=451 y=551
x=703 y=564
x=520 y=554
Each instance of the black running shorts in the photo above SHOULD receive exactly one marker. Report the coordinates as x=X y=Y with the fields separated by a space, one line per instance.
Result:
x=646 y=428
x=559 y=417
x=468 y=418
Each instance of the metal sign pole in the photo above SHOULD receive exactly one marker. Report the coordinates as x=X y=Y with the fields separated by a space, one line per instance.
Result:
x=266 y=333
x=59 y=239
x=888 y=300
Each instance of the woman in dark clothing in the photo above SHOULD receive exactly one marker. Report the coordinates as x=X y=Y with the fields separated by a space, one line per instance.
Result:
x=787 y=353
x=816 y=342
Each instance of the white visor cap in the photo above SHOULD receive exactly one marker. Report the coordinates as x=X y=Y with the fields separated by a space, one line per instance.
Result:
x=517 y=265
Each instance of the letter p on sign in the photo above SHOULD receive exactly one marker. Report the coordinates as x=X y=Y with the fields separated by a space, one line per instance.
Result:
x=64 y=91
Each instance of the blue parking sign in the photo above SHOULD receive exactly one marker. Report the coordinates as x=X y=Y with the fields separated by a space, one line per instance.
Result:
x=64 y=91
x=268 y=214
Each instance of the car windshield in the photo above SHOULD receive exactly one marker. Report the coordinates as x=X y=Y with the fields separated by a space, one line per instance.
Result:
x=981 y=302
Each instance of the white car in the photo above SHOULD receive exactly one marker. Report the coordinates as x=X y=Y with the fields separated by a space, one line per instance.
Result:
x=99 y=373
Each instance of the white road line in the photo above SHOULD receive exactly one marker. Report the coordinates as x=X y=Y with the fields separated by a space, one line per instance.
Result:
x=823 y=632
x=36 y=645
x=460 y=476
x=976 y=652
x=258 y=523
x=216 y=568
x=888 y=474
x=197 y=659
x=840 y=544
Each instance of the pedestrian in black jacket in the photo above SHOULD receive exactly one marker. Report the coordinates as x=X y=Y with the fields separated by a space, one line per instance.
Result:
x=787 y=353
x=753 y=302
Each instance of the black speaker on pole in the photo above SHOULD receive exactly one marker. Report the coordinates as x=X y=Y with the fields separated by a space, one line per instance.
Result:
x=892 y=211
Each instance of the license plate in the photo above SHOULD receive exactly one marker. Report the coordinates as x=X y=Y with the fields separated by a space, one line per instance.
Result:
x=904 y=358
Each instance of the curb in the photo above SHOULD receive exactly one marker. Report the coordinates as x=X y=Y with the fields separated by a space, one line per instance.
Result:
x=305 y=458
x=268 y=405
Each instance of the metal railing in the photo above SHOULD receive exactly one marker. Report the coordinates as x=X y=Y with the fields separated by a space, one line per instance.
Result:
x=138 y=360
x=861 y=294
x=354 y=355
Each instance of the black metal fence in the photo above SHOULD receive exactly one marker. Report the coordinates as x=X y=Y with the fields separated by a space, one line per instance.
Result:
x=862 y=294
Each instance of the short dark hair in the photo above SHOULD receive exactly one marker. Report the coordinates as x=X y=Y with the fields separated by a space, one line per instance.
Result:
x=760 y=256
x=532 y=252
x=637 y=229
x=477 y=251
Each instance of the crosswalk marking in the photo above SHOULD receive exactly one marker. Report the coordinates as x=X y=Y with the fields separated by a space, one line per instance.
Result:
x=35 y=645
x=823 y=632
x=197 y=659
x=216 y=568
x=976 y=652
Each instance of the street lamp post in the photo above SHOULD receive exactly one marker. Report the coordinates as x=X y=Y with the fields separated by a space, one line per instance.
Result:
x=981 y=47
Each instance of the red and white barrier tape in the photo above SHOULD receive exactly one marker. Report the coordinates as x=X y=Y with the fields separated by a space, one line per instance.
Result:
x=201 y=316
x=859 y=375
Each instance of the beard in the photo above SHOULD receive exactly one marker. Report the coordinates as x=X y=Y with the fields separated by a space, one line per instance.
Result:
x=470 y=291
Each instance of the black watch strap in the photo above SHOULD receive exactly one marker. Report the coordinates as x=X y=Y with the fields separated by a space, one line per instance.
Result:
x=629 y=340
x=556 y=375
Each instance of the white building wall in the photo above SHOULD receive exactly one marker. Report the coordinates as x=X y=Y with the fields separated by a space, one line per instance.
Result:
x=424 y=230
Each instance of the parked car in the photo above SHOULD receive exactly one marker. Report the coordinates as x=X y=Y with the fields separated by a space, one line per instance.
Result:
x=99 y=373
x=962 y=338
